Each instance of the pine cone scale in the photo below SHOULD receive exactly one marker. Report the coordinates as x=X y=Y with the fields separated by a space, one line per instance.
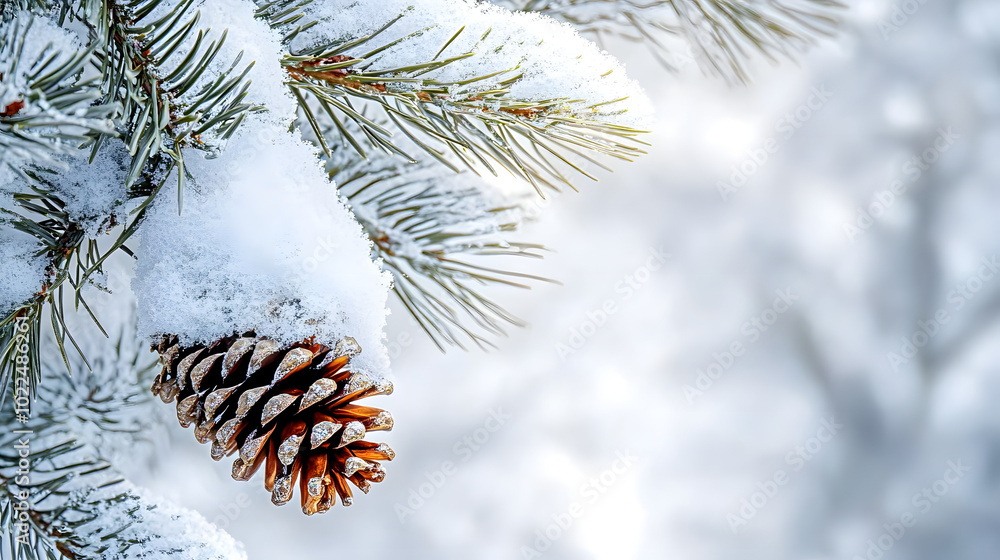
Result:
x=236 y=352
x=322 y=431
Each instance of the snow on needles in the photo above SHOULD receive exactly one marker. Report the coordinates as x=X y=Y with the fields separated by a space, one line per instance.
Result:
x=97 y=416
x=458 y=210
x=150 y=528
x=95 y=193
x=29 y=47
x=259 y=239
x=42 y=39
x=263 y=241
x=24 y=271
x=555 y=61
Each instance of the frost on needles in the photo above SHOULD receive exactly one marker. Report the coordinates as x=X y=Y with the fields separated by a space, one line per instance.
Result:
x=255 y=236
x=262 y=241
x=195 y=147
x=531 y=56
x=226 y=166
x=85 y=431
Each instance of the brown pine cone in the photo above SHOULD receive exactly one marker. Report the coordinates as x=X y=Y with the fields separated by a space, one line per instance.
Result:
x=289 y=408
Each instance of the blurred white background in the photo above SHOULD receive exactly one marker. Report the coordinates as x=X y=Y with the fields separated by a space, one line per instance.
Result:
x=740 y=468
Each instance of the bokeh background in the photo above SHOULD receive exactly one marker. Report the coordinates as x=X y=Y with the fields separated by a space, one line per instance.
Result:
x=915 y=436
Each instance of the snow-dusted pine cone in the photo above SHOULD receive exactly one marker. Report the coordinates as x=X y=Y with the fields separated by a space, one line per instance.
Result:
x=289 y=408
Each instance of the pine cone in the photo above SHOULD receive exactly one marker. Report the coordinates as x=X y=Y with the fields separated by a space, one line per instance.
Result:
x=289 y=408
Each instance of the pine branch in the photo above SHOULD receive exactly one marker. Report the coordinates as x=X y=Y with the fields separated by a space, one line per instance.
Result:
x=72 y=258
x=8 y=8
x=74 y=504
x=474 y=123
x=46 y=507
x=42 y=532
x=431 y=229
x=156 y=68
x=43 y=102
x=723 y=35
x=154 y=83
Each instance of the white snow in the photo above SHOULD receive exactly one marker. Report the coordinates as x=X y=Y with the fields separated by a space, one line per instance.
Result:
x=246 y=39
x=110 y=416
x=94 y=193
x=556 y=62
x=44 y=38
x=24 y=272
x=263 y=242
x=159 y=530
x=19 y=59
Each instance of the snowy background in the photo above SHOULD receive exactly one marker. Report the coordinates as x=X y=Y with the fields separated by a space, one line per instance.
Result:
x=745 y=463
